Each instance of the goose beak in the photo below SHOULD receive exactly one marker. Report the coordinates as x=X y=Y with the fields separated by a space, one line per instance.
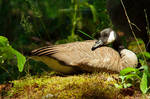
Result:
x=97 y=44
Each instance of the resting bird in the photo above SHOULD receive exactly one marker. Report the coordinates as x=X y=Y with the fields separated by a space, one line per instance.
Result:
x=78 y=56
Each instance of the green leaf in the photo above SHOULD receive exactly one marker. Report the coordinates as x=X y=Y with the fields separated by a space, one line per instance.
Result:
x=86 y=34
x=20 y=59
x=131 y=76
x=4 y=49
x=142 y=62
x=118 y=86
x=146 y=54
x=3 y=41
x=93 y=10
x=127 y=85
x=7 y=52
x=122 y=78
x=146 y=69
x=143 y=84
x=128 y=70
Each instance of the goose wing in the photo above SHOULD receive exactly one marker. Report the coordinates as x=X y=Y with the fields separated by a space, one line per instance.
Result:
x=80 y=54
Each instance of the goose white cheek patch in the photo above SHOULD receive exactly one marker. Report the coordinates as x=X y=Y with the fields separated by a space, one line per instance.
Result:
x=111 y=37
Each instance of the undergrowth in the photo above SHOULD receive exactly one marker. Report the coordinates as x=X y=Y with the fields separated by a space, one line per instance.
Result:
x=140 y=75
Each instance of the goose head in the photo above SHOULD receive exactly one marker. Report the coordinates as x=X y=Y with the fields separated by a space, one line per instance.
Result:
x=127 y=57
x=107 y=36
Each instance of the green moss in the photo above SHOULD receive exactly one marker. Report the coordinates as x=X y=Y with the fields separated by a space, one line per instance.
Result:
x=84 y=86
x=69 y=87
x=134 y=47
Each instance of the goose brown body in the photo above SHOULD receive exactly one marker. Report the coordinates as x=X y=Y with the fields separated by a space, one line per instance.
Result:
x=71 y=57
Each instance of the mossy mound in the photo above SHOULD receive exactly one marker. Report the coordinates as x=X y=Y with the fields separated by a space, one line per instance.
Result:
x=85 y=86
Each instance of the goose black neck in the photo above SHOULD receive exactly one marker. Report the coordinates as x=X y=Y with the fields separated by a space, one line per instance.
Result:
x=117 y=45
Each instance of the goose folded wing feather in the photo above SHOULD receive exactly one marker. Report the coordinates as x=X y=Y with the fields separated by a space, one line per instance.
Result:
x=79 y=54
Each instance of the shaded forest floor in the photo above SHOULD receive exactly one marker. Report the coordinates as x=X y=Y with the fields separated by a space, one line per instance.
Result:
x=85 y=86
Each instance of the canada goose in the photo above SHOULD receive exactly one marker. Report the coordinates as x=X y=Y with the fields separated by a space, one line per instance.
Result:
x=78 y=56
x=135 y=10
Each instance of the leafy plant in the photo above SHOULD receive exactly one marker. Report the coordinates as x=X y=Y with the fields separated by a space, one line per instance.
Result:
x=7 y=53
x=142 y=75
x=130 y=75
x=146 y=54
x=76 y=15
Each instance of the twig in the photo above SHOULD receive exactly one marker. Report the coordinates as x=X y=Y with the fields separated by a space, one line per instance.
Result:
x=130 y=25
x=147 y=28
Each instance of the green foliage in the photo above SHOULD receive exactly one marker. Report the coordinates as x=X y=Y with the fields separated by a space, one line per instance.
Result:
x=71 y=38
x=76 y=14
x=7 y=53
x=128 y=70
x=20 y=59
x=129 y=76
x=146 y=54
x=140 y=76
x=144 y=83
x=34 y=7
x=86 y=34
x=55 y=21
x=51 y=20
x=27 y=26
